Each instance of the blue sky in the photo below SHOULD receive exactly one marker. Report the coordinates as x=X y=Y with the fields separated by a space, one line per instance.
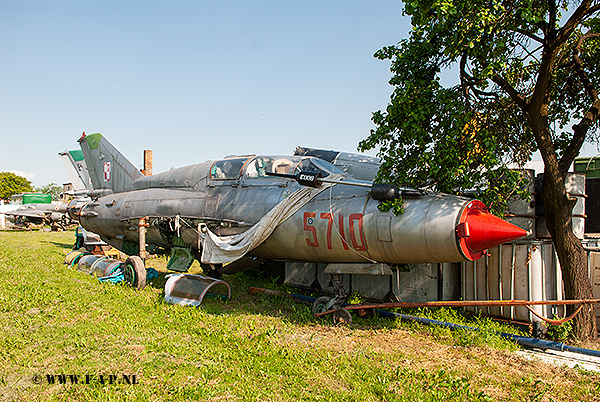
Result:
x=191 y=80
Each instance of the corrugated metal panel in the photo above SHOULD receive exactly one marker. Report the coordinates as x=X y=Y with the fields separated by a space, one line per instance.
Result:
x=515 y=271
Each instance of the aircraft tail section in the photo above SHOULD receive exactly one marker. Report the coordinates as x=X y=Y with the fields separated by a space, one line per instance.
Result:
x=109 y=170
x=74 y=164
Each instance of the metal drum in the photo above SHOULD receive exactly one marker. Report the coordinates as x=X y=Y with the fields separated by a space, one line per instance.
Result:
x=73 y=257
x=85 y=263
x=105 y=266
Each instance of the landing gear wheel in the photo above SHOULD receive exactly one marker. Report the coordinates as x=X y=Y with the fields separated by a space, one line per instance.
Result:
x=320 y=305
x=341 y=316
x=366 y=313
x=134 y=272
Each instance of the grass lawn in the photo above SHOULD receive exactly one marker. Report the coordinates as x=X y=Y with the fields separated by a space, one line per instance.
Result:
x=55 y=320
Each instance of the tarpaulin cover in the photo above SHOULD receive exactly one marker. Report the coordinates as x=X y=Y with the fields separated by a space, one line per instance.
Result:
x=226 y=249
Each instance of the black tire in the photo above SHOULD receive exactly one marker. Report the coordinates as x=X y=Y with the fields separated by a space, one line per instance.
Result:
x=320 y=305
x=366 y=313
x=78 y=243
x=341 y=316
x=134 y=272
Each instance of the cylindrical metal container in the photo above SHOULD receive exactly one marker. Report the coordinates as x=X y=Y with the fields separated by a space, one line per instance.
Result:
x=515 y=271
x=105 y=266
x=85 y=263
x=73 y=257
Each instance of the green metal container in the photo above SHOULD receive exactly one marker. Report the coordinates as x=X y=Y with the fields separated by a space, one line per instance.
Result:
x=589 y=166
x=37 y=198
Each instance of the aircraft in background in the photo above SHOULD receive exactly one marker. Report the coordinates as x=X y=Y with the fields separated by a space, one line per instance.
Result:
x=233 y=212
x=40 y=214
x=55 y=214
x=76 y=168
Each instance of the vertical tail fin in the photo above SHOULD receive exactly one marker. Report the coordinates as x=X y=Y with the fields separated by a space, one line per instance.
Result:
x=110 y=171
x=74 y=164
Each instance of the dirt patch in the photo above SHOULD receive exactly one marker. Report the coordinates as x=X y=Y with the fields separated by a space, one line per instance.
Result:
x=499 y=374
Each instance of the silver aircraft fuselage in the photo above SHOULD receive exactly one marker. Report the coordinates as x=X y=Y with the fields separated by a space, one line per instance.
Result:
x=341 y=224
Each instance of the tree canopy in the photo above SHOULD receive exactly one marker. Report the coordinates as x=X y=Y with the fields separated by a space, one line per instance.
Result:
x=527 y=78
x=463 y=137
x=53 y=189
x=11 y=184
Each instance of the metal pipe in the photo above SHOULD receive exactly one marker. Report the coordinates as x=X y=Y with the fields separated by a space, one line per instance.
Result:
x=512 y=280
x=559 y=287
x=536 y=279
x=500 y=292
x=529 y=256
x=487 y=279
x=521 y=340
x=543 y=268
x=470 y=303
x=442 y=303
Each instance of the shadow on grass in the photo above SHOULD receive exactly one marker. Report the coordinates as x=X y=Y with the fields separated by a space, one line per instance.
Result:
x=291 y=311
x=62 y=245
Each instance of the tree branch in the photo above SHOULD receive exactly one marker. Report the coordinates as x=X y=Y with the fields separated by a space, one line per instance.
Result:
x=592 y=10
x=580 y=130
x=578 y=65
x=539 y=100
x=550 y=33
x=512 y=92
x=530 y=35
x=565 y=32
x=464 y=78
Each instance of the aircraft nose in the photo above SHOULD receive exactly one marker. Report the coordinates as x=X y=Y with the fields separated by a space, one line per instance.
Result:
x=479 y=230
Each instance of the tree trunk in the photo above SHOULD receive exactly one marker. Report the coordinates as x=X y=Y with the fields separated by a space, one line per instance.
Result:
x=558 y=207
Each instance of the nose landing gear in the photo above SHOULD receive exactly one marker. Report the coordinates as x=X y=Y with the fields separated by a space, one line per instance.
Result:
x=326 y=305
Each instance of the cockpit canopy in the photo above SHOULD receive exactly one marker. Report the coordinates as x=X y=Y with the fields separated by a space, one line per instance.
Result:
x=258 y=166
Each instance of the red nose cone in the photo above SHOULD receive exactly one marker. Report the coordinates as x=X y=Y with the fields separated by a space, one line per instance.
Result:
x=479 y=230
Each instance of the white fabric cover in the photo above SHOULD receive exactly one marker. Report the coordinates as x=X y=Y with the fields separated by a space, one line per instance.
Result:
x=226 y=249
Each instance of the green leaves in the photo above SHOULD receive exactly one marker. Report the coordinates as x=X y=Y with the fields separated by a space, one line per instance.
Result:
x=53 y=189
x=11 y=184
x=462 y=139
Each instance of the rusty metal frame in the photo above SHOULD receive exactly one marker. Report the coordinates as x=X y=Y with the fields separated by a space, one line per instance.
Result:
x=363 y=307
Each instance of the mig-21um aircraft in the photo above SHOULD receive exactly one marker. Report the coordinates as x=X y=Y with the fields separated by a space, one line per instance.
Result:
x=40 y=214
x=55 y=215
x=231 y=212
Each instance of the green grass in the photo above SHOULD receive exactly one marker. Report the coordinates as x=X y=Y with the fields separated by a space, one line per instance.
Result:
x=56 y=320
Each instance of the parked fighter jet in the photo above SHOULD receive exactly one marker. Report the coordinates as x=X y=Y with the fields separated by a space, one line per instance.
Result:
x=74 y=164
x=231 y=211
x=39 y=214
x=77 y=171
x=56 y=214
